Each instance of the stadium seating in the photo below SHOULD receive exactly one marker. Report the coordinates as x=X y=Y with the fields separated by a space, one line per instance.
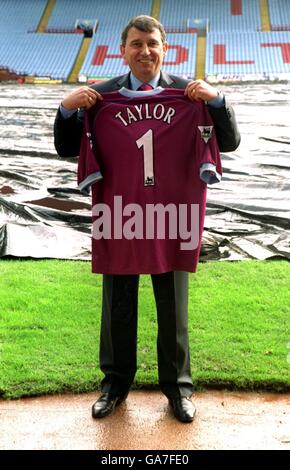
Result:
x=49 y=55
x=19 y=15
x=222 y=15
x=104 y=60
x=111 y=14
x=279 y=12
x=235 y=43
x=241 y=54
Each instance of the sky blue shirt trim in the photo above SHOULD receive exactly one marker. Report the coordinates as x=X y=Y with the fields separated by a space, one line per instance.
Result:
x=86 y=184
x=135 y=93
x=209 y=174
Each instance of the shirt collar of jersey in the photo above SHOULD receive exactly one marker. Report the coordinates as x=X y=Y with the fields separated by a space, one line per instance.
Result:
x=134 y=93
x=135 y=83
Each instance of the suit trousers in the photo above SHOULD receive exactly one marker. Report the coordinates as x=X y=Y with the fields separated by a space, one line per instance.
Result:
x=118 y=343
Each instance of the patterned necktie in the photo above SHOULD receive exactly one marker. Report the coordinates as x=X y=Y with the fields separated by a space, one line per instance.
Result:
x=145 y=87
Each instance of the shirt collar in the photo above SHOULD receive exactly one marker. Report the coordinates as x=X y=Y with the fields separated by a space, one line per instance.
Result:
x=135 y=83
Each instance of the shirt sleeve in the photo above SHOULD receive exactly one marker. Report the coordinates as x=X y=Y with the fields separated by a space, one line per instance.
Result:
x=88 y=166
x=66 y=113
x=217 y=102
x=210 y=161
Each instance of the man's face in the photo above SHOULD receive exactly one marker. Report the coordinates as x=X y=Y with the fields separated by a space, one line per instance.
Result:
x=144 y=53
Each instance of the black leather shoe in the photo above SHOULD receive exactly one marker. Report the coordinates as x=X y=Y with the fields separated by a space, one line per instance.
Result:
x=105 y=405
x=183 y=409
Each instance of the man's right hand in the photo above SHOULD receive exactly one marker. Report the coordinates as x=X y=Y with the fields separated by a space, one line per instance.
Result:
x=84 y=97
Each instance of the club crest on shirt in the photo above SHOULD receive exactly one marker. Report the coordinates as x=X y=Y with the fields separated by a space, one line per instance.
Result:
x=206 y=132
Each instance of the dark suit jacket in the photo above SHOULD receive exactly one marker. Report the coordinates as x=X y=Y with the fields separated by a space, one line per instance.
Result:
x=68 y=132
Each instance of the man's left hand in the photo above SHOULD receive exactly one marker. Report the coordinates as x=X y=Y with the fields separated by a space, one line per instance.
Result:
x=198 y=90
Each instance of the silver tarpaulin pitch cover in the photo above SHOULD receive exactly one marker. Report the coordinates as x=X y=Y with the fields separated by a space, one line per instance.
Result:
x=43 y=214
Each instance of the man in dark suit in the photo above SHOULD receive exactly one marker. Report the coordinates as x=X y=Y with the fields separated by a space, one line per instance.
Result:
x=144 y=47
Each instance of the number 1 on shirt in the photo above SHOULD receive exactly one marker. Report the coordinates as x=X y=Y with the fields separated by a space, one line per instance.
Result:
x=146 y=141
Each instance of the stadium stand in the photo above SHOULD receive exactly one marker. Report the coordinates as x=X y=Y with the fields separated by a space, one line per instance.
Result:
x=20 y=16
x=104 y=60
x=248 y=54
x=111 y=14
x=227 y=35
x=44 y=55
x=222 y=15
x=279 y=12
x=181 y=56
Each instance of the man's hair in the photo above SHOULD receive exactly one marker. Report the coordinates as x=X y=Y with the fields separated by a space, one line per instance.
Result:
x=143 y=23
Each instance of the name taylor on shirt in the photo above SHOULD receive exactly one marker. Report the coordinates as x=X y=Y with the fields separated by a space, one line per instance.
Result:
x=144 y=111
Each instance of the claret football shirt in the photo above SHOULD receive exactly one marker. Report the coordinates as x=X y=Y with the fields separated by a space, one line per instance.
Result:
x=148 y=157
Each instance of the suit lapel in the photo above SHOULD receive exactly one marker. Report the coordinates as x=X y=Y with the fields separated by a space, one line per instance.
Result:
x=165 y=81
x=123 y=81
